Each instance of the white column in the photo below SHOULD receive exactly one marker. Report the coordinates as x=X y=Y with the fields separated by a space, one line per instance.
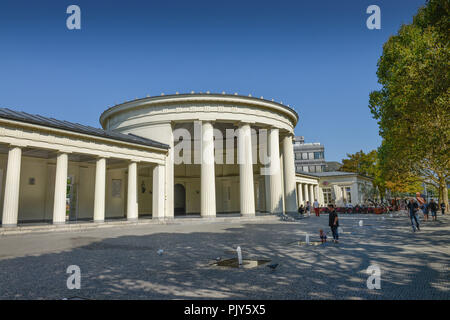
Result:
x=208 y=188
x=158 y=192
x=311 y=194
x=354 y=193
x=59 y=204
x=247 y=193
x=300 y=194
x=262 y=194
x=99 y=196
x=306 y=193
x=132 y=205
x=316 y=193
x=290 y=196
x=170 y=180
x=276 y=196
x=12 y=184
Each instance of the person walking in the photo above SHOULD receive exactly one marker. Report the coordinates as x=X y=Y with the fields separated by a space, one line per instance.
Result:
x=443 y=208
x=434 y=209
x=316 y=208
x=425 y=210
x=308 y=208
x=412 y=209
x=333 y=222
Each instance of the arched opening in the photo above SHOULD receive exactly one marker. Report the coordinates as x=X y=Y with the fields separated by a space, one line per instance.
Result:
x=179 y=200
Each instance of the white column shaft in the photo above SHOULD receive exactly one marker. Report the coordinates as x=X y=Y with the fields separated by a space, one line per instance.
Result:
x=99 y=196
x=12 y=185
x=132 y=205
x=208 y=189
x=59 y=204
x=247 y=192
x=306 y=193
x=311 y=194
x=276 y=196
x=290 y=196
x=316 y=193
x=158 y=192
x=300 y=194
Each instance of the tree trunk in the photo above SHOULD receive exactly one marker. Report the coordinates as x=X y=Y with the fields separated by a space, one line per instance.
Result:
x=443 y=194
x=445 y=197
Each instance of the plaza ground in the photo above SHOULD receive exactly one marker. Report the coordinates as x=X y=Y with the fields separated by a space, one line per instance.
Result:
x=123 y=262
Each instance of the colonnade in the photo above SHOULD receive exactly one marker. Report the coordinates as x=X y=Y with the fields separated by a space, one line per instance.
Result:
x=12 y=186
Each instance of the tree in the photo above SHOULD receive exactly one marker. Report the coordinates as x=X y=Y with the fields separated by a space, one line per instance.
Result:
x=366 y=165
x=412 y=107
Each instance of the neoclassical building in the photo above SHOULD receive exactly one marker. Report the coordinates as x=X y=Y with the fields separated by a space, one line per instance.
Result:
x=158 y=157
x=55 y=171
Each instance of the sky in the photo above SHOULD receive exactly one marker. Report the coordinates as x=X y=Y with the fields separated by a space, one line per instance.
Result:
x=316 y=56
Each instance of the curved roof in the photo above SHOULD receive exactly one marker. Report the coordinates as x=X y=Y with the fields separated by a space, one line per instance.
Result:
x=200 y=97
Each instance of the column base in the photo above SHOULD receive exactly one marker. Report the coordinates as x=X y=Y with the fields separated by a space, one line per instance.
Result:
x=59 y=223
x=132 y=219
x=248 y=215
x=9 y=225
x=99 y=221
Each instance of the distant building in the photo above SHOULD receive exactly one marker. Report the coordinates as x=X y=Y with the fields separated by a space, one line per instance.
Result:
x=331 y=166
x=309 y=157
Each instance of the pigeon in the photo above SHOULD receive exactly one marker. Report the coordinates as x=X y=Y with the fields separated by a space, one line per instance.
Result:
x=273 y=266
x=160 y=251
x=218 y=259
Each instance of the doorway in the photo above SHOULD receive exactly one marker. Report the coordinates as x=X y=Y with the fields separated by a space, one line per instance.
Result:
x=179 y=200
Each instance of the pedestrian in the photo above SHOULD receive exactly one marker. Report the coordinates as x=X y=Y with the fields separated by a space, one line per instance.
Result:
x=412 y=209
x=301 y=209
x=323 y=236
x=425 y=210
x=333 y=222
x=443 y=208
x=433 y=208
x=316 y=208
x=308 y=208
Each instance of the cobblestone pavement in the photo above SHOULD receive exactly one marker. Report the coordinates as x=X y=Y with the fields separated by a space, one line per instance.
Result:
x=123 y=263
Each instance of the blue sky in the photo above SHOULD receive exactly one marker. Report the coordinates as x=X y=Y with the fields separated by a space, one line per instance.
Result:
x=317 y=56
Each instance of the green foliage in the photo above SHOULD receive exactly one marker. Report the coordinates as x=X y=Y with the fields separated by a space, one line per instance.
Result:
x=366 y=165
x=412 y=107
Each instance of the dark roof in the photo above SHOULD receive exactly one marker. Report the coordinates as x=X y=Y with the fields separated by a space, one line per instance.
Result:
x=79 y=128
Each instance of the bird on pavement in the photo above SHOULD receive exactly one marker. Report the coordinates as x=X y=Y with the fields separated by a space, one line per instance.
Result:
x=273 y=266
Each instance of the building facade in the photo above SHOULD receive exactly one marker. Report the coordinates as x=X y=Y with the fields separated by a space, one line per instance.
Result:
x=159 y=158
x=56 y=171
x=309 y=157
x=338 y=188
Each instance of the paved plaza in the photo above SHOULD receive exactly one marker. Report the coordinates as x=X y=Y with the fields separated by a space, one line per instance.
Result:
x=124 y=263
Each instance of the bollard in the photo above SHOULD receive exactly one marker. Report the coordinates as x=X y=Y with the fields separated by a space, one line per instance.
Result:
x=239 y=254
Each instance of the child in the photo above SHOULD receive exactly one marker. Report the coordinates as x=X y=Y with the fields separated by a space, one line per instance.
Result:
x=323 y=236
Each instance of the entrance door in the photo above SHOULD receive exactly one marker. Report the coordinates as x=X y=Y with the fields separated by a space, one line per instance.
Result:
x=179 y=200
x=226 y=196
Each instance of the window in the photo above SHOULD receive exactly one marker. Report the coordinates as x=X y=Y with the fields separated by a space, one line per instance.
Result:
x=312 y=169
x=304 y=156
x=298 y=156
x=318 y=168
x=318 y=155
x=348 y=194
x=305 y=169
x=311 y=155
x=327 y=195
